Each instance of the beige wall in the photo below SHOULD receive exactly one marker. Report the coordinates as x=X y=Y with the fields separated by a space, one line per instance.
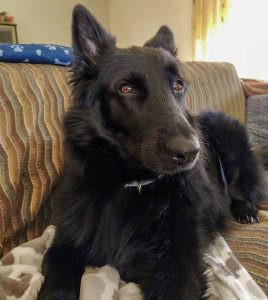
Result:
x=134 y=21
x=49 y=21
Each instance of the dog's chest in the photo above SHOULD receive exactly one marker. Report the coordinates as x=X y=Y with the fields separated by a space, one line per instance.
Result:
x=148 y=223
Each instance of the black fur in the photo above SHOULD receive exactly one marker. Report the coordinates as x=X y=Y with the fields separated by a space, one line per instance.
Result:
x=155 y=237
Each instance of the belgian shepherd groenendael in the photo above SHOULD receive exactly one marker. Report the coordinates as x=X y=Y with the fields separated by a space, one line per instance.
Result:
x=145 y=185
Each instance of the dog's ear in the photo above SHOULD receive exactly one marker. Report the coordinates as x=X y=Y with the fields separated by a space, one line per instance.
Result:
x=89 y=37
x=164 y=38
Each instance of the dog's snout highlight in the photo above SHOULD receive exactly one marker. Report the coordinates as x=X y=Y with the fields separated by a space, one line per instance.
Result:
x=183 y=149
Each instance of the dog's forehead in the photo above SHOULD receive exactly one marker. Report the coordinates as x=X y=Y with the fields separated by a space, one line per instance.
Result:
x=151 y=54
x=144 y=59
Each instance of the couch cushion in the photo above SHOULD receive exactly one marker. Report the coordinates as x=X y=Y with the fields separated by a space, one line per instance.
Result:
x=250 y=245
x=32 y=101
x=214 y=86
x=31 y=231
x=257 y=119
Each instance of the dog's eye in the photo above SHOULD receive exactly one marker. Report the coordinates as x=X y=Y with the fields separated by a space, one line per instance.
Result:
x=125 y=88
x=178 y=86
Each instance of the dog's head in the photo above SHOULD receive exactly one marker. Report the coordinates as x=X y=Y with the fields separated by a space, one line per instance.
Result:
x=137 y=91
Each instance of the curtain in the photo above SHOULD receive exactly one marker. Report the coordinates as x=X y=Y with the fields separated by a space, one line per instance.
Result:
x=208 y=17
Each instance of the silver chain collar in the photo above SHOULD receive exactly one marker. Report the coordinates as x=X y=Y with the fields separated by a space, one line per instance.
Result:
x=140 y=184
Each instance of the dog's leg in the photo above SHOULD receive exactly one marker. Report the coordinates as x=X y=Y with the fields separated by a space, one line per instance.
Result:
x=165 y=288
x=172 y=277
x=228 y=139
x=62 y=274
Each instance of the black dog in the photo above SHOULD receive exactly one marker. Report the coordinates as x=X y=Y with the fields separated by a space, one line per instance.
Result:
x=145 y=185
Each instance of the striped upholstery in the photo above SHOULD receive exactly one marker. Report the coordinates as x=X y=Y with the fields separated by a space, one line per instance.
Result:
x=31 y=231
x=250 y=245
x=214 y=86
x=32 y=101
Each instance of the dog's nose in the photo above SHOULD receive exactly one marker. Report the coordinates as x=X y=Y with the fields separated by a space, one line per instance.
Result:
x=183 y=150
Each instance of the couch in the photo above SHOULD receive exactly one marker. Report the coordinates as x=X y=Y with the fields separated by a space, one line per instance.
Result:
x=33 y=99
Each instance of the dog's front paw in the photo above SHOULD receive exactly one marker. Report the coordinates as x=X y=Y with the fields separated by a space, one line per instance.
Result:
x=244 y=211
